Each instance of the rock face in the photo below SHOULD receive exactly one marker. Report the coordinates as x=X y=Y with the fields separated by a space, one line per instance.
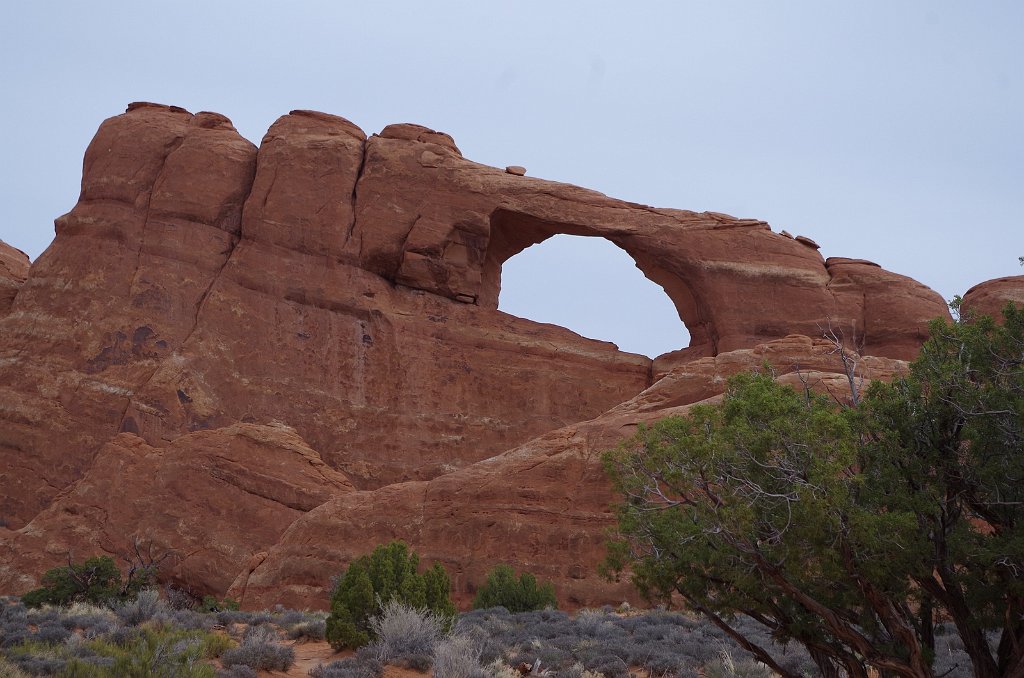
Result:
x=268 y=360
x=13 y=271
x=544 y=506
x=990 y=297
x=207 y=495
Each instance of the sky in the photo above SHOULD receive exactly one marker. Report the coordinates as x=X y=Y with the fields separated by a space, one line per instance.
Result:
x=889 y=130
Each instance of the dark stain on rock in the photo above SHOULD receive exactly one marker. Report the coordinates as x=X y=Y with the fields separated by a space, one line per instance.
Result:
x=120 y=351
x=129 y=426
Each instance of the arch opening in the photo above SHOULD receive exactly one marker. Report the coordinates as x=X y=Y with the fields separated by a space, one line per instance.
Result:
x=594 y=288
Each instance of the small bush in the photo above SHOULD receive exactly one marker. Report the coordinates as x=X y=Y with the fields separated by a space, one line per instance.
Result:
x=666 y=663
x=183 y=619
x=141 y=609
x=9 y=670
x=91 y=620
x=370 y=582
x=13 y=635
x=238 y=671
x=362 y=665
x=97 y=580
x=291 y=617
x=577 y=670
x=211 y=604
x=404 y=633
x=40 y=665
x=308 y=630
x=517 y=595
x=52 y=634
x=216 y=644
x=608 y=665
x=179 y=599
x=499 y=669
x=124 y=636
x=727 y=667
x=229 y=617
x=457 y=656
x=260 y=650
x=42 y=616
x=13 y=612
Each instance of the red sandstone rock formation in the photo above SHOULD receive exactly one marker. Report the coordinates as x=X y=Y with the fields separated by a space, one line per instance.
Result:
x=13 y=271
x=269 y=360
x=990 y=297
x=208 y=497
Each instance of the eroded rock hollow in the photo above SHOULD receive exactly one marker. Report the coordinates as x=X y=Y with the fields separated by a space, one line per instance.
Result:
x=268 y=360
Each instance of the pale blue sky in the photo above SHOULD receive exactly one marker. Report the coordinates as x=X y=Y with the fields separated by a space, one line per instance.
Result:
x=887 y=130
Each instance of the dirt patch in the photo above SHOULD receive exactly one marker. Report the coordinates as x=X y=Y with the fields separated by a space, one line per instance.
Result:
x=307 y=656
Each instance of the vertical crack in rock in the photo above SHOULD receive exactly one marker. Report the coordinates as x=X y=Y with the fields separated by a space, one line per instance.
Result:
x=201 y=302
x=354 y=198
x=173 y=146
x=405 y=243
x=266 y=194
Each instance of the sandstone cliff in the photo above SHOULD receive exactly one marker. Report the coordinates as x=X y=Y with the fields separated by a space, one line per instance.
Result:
x=270 y=359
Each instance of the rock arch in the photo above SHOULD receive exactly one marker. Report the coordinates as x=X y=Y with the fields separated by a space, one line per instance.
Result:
x=512 y=232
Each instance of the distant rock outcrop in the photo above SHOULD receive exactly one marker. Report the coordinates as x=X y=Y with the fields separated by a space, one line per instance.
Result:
x=13 y=271
x=990 y=297
x=270 y=359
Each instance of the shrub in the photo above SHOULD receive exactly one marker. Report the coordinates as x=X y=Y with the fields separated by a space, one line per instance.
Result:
x=9 y=670
x=211 y=604
x=499 y=668
x=238 y=671
x=726 y=667
x=362 y=665
x=403 y=633
x=183 y=619
x=608 y=665
x=124 y=636
x=52 y=634
x=229 y=617
x=91 y=619
x=370 y=582
x=457 y=656
x=40 y=665
x=12 y=635
x=577 y=671
x=315 y=629
x=46 y=615
x=290 y=617
x=261 y=651
x=141 y=609
x=216 y=644
x=97 y=580
x=517 y=595
x=665 y=663
x=178 y=598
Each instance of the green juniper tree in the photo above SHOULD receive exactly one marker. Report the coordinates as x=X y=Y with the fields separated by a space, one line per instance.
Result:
x=370 y=582
x=851 y=530
x=514 y=594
